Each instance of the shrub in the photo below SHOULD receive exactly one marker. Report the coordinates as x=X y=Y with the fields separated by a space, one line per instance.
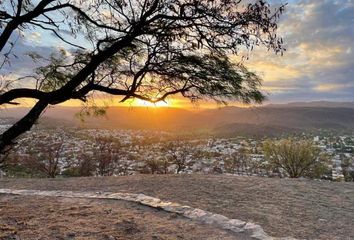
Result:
x=297 y=158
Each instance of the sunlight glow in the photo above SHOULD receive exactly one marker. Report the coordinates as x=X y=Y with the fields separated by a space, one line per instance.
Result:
x=142 y=103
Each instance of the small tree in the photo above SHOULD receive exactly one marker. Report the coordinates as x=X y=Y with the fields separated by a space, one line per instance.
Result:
x=238 y=162
x=177 y=153
x=44 y=157
x=86 y=166
x=165 y=163
x=51 y=159
x=22 y=165
x=348 y=171
x=296 y=158
x=153 y=166
x=106 y=155
x=4 y=159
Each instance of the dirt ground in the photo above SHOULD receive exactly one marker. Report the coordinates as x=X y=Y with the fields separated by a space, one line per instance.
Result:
x=303 y=209
x=24 y=217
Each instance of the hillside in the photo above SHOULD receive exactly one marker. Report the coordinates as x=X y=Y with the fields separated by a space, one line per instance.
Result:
x=266 y=120
x=303 y=209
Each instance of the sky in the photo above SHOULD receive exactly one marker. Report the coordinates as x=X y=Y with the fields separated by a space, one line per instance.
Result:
x=319 y=61
x=318 y=64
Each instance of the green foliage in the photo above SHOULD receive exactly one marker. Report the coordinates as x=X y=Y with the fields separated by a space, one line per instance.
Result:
x=153 y=166
x=56 y=74
x=20 y=171
x=297 y=158
x=71 y=172
x=91 y=111
x=212 y=76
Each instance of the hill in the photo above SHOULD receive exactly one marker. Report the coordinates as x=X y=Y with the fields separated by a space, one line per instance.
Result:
x=324 y=104
x=265 y=120
x=304 y=209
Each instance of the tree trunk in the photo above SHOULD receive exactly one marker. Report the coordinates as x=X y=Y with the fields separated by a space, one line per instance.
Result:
x=5 y=35
x=22 y=126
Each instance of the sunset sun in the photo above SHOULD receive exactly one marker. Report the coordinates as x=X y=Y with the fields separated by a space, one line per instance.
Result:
x=142 y=103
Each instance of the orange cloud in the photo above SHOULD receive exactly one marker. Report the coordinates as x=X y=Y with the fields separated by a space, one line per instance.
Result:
x=328 y=87
x=274 y=71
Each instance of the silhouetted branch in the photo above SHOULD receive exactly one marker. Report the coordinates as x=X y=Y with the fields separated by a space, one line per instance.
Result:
x=145 y=49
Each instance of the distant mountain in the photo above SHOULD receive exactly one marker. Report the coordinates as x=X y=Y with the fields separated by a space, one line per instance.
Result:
x=323 y=104
x=266 y=120
x=280 y=120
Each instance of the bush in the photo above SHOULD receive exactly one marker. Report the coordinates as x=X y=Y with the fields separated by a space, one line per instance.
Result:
x=296 y=158
x=348 y=172
x=20 y=171
x=71 y=172
x=156 y=166
x=238 y=162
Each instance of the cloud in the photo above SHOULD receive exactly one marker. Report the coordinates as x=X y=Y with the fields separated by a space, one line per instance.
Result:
x=271 y=71
x=34 y=37
x=319 y=61
x=330 y=87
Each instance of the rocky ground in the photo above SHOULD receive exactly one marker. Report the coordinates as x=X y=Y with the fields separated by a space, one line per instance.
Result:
x=283 y=207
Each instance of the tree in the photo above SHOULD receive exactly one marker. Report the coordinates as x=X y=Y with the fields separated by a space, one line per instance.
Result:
x=3 y=160
x=49 y=158
x=238 y=162
x=21 y=166
x=177 y=153
x=106 y=155
x=153 y=166
x=45 y=156
x=145 y=49
x=84 y=167
x=298 y=158
x=347 y=168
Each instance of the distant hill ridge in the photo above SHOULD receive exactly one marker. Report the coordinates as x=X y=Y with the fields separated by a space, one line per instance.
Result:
x=264 y=120
x=325 y=104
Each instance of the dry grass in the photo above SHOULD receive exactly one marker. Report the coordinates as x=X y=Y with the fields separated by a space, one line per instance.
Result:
x=283 y=207
x=66 y=218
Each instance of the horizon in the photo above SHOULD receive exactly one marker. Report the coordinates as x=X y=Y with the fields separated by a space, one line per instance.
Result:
x=195 y=107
